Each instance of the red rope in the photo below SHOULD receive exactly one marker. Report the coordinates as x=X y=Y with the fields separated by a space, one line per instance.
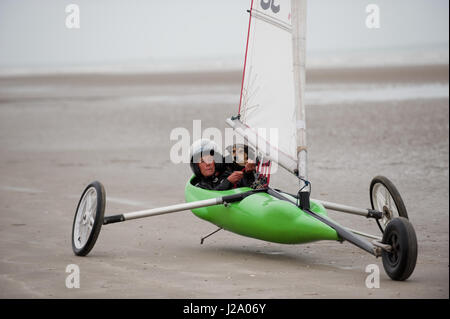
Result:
x=268 y=172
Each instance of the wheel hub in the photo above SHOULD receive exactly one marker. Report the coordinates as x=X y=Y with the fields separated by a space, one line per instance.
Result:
x=387 y=214
x=84 y=219
x=393 y=255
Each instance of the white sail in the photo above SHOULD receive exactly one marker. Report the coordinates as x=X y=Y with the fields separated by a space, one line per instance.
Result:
x=273 y=81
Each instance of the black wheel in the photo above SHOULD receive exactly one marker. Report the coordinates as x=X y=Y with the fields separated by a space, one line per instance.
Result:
x=385 y=198
x=399 y=263
x=88 y=219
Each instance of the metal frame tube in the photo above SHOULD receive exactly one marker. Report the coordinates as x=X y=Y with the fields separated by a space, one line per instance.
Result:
x=178 y=207
x=344 y=233
x=357 y=232
x=172 y=208
x=337 y=207
x=344 y=208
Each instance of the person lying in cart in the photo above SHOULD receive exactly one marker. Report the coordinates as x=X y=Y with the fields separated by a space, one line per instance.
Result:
x=207 y=163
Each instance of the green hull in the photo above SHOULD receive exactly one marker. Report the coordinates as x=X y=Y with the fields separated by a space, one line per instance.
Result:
x=262 y=216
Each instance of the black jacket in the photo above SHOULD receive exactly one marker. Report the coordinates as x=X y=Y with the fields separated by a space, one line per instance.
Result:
x=216 y=182
x=246 y=181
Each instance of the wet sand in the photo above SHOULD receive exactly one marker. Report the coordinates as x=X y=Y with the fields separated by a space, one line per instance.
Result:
x=60 y=132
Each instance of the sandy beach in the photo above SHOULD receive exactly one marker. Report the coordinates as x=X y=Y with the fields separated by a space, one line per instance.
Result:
x=60 y=132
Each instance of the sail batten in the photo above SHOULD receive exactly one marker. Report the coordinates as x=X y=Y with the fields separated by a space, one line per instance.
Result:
x=269 y=19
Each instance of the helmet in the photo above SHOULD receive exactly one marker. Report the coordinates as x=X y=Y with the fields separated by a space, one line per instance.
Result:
x=201 y=148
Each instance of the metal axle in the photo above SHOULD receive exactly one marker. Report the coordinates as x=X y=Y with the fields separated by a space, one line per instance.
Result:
x=343 y=208
x=178 y=207
x=344 y=234
x=369 y=213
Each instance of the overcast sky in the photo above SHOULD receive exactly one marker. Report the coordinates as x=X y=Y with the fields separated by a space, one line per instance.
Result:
x=33 y=32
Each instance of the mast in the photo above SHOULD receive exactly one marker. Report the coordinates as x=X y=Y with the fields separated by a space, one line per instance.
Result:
x=298 y=9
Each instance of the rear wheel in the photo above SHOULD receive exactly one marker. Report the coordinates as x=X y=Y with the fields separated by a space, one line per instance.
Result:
x=88 y=219
x=400 y=261
x=385 y=198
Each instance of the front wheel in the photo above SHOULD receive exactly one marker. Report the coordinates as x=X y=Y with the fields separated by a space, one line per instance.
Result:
x=400 y=261
x=88 y=219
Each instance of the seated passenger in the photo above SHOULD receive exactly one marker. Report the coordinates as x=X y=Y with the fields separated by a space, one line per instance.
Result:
x=242 y=161
x=207 y=165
